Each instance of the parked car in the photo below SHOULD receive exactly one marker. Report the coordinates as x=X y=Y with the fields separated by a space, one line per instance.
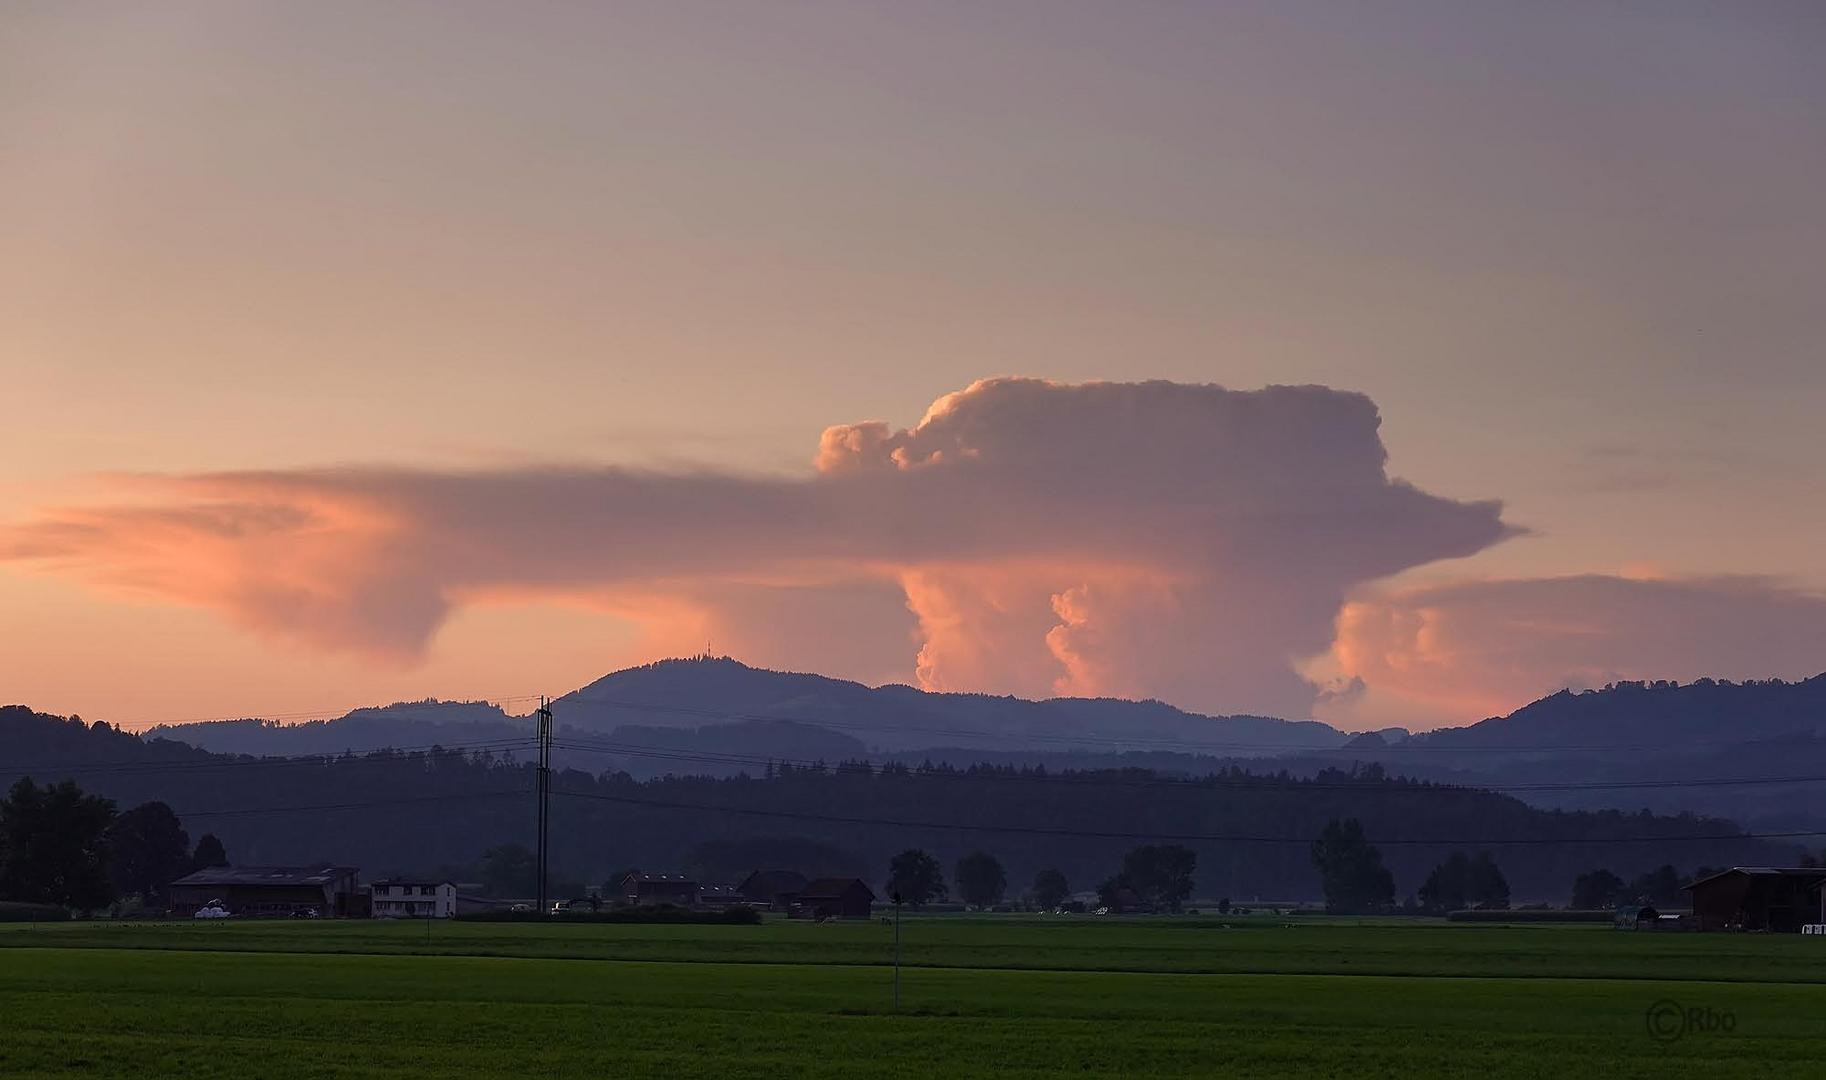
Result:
x=212 y=910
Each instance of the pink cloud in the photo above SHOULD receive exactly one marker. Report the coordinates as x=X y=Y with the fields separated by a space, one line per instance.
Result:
x=1187 y=542
x=1457 y=653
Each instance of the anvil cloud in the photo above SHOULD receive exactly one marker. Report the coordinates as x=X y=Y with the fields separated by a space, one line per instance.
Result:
x=1187 y=542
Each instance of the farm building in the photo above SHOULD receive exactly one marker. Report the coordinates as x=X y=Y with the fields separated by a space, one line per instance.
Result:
x=719 y=896
x=775 y=888
x=399 y=898
x=1779 y=898
x=639 y=888
x=834 y=898
x=270 y=890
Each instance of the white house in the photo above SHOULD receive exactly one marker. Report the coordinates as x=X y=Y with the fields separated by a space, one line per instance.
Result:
x=397 y=898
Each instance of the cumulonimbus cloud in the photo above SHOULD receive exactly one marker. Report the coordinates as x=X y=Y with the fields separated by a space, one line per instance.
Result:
x=1187 y=542
x=1461 y=652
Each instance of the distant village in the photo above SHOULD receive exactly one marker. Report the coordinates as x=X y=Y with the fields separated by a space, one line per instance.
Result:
x=1744 y=898
x=330 y=891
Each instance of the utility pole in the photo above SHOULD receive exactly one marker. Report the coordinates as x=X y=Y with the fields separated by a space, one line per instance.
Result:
x=896 y=950
x=545 y=794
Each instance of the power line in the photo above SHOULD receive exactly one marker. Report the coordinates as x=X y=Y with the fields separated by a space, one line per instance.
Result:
x=1254 y=781
x=1393 y=785
x=220 y=761
x=1141 y=740
x=363 y=805
x=1092 y=834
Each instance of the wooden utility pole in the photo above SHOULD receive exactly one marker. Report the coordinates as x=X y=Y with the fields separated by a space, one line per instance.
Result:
x=545 y=796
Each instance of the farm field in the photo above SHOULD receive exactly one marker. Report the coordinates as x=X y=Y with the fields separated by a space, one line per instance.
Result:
x=1253 y=945
x=361 y=999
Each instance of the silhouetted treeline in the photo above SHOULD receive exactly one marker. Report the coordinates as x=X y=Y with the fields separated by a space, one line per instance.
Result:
x=1250 y=832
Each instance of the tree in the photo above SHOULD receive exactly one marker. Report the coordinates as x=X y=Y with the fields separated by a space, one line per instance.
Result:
x=147 y=849
x=1463 y=881
x=916 y=876
x=1596 y=889
x=1050 y=889
x=1160 y=874
x=1109 y=892
x=209 y=852
x=53 y=846
x=1660 y=887
x=980 y=879
x=1489 y=888
x=510 y=870
x=1351 y=870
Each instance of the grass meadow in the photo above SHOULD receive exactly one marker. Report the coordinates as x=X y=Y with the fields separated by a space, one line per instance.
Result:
x=1003 y=996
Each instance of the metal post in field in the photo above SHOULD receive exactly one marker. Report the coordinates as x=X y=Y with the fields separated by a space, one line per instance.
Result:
x=896 y=898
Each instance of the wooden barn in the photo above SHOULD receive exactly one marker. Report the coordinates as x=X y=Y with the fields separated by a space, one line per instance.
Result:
x=834 y=898
x=778 y=889
x=1776 y=898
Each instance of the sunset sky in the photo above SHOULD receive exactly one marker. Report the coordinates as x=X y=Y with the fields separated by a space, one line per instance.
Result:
x=354 y=352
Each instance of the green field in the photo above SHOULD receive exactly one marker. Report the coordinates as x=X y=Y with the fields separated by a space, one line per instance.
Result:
x=980 y=997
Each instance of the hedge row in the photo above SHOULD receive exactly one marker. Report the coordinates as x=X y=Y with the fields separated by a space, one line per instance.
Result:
x=11 y=911
x=1520 y=915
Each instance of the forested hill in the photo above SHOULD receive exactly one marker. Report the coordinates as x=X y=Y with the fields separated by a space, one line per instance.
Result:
x=1751 y=751
x=417 y=723
x=427 y=810
x=707 y=704
x=709 y=690
x=1629 y=714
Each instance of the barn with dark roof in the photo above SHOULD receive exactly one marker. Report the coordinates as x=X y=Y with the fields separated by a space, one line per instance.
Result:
x=1777 y=898
x=834 y=898
x=274 y=891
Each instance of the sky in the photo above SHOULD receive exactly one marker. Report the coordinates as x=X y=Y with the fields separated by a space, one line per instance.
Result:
x=1389 y=364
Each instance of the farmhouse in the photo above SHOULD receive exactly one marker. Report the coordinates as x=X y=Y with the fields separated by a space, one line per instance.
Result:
x=400 y=898
x=639 y=888
x=834 y=898
x=1779 y=898
x=775 y=888
x=270 y=890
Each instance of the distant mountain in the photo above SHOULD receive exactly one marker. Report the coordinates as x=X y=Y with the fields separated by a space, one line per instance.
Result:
x=1752 y=751
x=1631 y=746
x=415 y=723
x=1655 y=714
x=705 y=691
x=719 y=717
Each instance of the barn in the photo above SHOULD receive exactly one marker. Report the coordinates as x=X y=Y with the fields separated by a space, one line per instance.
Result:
x=270 y=890
x=1777 y=898
x=834 y=898
x=778 y=889
x=641 y=889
